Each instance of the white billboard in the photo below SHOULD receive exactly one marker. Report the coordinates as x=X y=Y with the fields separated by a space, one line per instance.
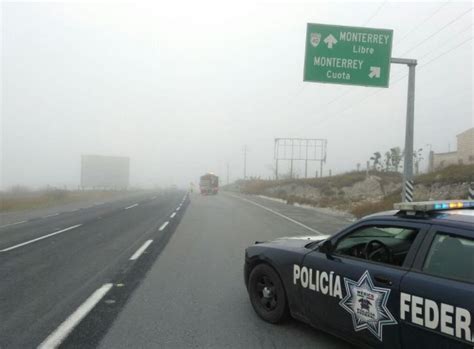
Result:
x=105 y=172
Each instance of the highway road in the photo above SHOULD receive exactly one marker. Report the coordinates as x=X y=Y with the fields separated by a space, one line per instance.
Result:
x=51 y=264
x=194 y=295
x=152 y=270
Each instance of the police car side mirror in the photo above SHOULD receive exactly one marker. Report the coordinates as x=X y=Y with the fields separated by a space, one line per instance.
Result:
x=326 y=247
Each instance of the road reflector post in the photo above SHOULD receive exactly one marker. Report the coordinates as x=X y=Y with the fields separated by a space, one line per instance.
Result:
x=471 y=191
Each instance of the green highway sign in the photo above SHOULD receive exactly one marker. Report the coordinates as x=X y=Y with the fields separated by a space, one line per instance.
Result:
x=348 y=55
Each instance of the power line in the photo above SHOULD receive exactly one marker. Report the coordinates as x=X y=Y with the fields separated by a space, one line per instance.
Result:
x=419 y=59
x=436 y=48
x=446 y=52
x=436 y=32
x=375 y=13
x=424 y=21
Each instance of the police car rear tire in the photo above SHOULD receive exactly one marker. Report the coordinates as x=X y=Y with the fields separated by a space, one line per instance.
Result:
x=267 y=294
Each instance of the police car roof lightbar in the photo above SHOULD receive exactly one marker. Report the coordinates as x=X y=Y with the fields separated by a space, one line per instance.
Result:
x=426 y=206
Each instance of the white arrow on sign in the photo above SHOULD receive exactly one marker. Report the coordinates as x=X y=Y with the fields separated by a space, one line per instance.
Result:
x=374 y=72
x=330 y=40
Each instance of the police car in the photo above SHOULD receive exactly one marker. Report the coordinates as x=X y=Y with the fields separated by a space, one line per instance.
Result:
x=397 y=279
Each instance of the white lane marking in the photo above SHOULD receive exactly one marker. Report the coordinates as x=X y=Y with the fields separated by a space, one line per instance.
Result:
x=52 y=215
x=278 y=214
x=173 y=214
x=142 y=249
x=10 y=224
x=77 y=209
x=40 y=238
x=60 y=334
x=163 y=226
x=177 y=209
x=131 y=206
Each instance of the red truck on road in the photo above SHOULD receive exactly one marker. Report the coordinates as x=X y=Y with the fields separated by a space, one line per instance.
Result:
x=209 y=184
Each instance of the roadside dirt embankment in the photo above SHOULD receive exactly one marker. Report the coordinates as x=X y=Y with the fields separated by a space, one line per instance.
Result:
x=359 y=194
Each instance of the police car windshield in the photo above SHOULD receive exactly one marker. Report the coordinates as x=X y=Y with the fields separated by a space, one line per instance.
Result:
x=388 y=232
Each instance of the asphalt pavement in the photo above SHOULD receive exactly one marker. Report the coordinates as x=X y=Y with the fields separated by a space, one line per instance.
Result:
x=194 y=294
x=51 y=264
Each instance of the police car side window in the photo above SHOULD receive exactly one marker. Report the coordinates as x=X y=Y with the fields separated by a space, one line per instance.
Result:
x=382 y=244
x=451 y=256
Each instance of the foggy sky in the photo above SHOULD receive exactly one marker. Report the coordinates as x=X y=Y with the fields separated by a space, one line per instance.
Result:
x=181 y=87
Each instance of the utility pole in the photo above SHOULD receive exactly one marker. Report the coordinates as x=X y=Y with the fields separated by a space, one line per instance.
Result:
x=275 y=155
x=306 y=162
x=245 y=162
x=227 y=173
x=430 y=158
x=408 y=185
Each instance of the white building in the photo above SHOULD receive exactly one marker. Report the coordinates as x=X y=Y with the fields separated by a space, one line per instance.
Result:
x=463 y=155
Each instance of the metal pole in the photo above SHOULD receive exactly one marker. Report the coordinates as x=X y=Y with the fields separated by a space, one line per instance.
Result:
x=227 y=173
x=409 y=133
x=321 y=168
x=408 y=185
x=276 y=169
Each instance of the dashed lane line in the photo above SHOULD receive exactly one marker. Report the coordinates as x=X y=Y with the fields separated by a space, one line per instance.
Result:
x=163 y=226
x=60 y=334
x=142 y=249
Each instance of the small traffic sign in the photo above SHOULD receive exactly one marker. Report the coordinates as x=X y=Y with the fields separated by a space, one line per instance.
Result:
x=348 y=55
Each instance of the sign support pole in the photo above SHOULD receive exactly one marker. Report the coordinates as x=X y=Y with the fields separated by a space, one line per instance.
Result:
x=408 y=185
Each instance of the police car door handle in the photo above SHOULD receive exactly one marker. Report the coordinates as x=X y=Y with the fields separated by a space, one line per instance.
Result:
x=383 y=280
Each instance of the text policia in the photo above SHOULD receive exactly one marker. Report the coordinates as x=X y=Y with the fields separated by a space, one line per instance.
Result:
x=438 y=316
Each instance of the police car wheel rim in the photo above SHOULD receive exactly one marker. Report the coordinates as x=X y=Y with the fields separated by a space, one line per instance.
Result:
x=266 y=293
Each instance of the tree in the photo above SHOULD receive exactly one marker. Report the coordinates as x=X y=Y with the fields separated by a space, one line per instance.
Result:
x=376 y=160
x=388 y=161
x=396 y=156
x=417 y=157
